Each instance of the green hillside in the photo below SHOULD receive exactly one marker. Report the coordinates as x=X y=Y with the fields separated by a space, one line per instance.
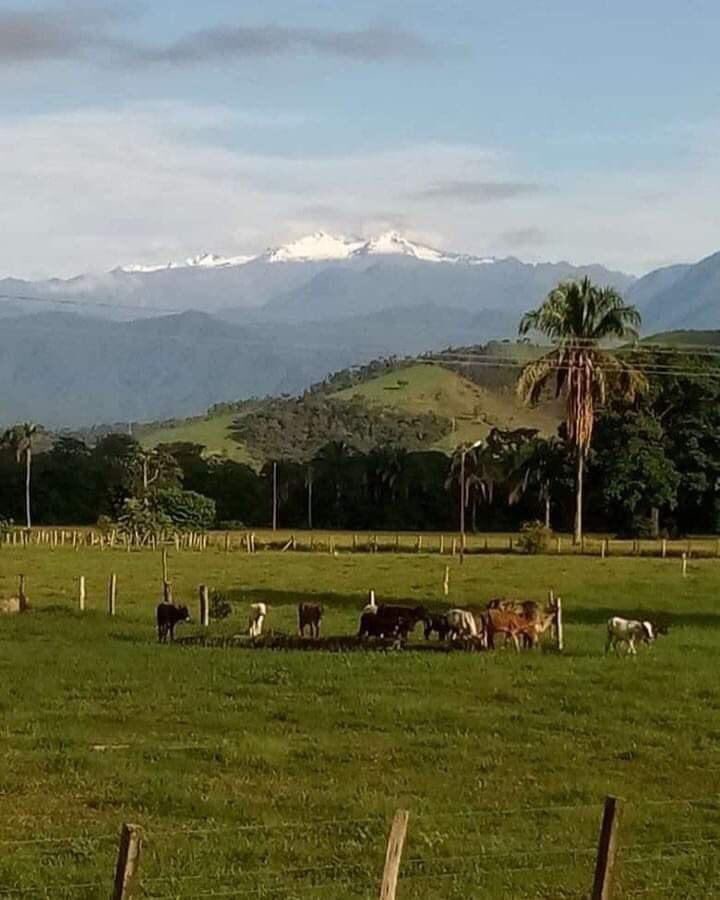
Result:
x=213 y=431
x=428 y=387
x=685 y=338
x=415 y=389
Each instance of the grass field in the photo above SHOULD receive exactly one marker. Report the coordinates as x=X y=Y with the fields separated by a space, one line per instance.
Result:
x=274 y=774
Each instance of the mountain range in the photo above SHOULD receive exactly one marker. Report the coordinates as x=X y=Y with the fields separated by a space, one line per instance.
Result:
x=150 y=340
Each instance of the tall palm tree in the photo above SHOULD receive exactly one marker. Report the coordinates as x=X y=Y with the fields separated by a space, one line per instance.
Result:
x=578 y=316
x=20 y=439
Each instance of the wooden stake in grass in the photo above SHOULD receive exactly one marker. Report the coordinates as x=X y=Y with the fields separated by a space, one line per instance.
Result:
x=446 y=581
x=442 y=544
x=393 y=855
x=128 y=863
x=204 y=605
x=81 y=593
x=165 y=566
x=112 y=594
x=559 y=625
x=607 y=850
x=603 y=548
x=684 y=565
x=663 y=548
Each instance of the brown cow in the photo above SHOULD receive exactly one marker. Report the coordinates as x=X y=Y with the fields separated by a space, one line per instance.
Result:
x=527 y=623
x=310 y=616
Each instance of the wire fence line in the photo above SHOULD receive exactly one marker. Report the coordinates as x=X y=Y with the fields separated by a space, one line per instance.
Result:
x=355 y=869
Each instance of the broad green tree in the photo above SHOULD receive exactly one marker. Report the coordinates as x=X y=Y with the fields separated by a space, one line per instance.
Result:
x=579 y=318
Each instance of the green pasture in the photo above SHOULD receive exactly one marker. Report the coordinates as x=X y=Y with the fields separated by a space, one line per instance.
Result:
x=275 y=774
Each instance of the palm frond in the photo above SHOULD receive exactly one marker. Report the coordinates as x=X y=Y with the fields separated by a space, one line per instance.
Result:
x=536 y=375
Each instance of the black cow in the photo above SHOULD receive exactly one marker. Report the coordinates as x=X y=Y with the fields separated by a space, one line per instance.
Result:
x=390 y=621
x=168 y=616
x=436 y=622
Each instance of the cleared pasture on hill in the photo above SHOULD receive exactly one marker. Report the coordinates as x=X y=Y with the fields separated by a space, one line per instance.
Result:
x=276 y=773
x=433 y=388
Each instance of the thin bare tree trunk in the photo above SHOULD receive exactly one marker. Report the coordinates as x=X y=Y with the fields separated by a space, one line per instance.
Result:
x=547 y=510
x=579 y=496
x=28 y=461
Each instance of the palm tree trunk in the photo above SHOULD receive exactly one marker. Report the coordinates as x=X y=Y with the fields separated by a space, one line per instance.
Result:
x=579 y=496
x=28 y=461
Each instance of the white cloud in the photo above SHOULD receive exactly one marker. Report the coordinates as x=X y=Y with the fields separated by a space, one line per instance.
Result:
x=92 y=189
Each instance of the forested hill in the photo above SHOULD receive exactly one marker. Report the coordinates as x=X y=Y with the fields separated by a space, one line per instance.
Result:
x=432 y=403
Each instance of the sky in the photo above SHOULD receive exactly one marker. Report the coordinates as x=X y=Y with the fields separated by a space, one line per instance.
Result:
x=140 y=132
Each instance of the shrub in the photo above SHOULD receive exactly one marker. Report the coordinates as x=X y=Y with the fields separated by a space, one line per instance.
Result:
x=6 y=525
x=186 y=510
x=220 y=606
x=105 y=525
x=139 y=520
x=534 y=537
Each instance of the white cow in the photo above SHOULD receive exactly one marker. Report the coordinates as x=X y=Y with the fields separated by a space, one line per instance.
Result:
x=628 y=631
x=258 y=611
x=462 y=624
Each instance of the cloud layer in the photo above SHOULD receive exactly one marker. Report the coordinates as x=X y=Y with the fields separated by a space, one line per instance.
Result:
x=89 y=190
x=85 y=32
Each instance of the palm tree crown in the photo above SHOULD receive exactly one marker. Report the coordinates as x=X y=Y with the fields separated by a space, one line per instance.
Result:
x=578 y=317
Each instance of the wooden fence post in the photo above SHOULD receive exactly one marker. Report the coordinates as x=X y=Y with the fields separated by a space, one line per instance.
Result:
x=560 y=637
x=81 y=593
x=663 y=549
x=128 y=862
x=167 y=592
x=371 y=598
x=446 y=581
x=204 y=605
x=559 y=544
x=442 y=544
x=112 y=594
x=604 y=548
x=393 y=855
x=165 y=565
x=607 y=850
x=22 y=596
x=684 y=565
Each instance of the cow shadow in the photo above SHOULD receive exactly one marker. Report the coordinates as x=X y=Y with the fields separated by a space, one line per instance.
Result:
x=598 y=615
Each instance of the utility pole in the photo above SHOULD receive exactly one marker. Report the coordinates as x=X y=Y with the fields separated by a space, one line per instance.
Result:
x=275 y=497
x=310 y=496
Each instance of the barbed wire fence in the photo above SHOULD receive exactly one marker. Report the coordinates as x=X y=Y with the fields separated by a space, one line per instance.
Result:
x=645 y=848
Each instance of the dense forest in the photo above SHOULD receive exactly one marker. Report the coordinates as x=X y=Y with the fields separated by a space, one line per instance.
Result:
x=654 y=467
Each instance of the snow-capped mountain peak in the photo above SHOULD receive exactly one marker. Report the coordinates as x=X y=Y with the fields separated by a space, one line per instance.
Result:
x=322 y=247
x=393 y=243
x=314 y=247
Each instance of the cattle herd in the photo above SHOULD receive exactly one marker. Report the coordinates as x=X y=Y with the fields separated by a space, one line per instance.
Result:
x=523 y=623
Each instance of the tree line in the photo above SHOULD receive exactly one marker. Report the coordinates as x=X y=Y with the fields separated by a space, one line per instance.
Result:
x=638 y=454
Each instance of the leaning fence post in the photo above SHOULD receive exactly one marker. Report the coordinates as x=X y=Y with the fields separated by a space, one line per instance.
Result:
x=128 y=862
x=560 y=637
x=607 y=850
x=393 y=855
x=81 y=593
x=204 y=605
x=112 y=594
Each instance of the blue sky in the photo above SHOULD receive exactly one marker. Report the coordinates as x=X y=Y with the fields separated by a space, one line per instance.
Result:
x=136 y=132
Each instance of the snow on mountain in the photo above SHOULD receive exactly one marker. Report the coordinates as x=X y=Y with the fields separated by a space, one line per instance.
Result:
x=201 y=261
x=314 y=248
x=322 y=247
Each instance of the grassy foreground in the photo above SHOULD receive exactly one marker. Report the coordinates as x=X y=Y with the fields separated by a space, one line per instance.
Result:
x=275 y=774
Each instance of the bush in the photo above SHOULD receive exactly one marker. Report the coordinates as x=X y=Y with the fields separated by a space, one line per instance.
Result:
x=105 y=525
x=220 y=606
x=140 y=521
x=6 y=525
x=534 y=537
x=186 y=510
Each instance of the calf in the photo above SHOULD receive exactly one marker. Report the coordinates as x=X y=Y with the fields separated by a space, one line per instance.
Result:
x=258 y=611
x=310 y=616
x=628 y=631
x=168 y=616
x=461 y=624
